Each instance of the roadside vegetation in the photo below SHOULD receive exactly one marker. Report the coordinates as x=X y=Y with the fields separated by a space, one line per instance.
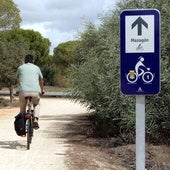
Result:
x=90 y=66
x=15 y=43
x=96 y=78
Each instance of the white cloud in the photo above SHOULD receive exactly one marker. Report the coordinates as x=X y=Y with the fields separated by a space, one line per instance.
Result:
x=59 y=20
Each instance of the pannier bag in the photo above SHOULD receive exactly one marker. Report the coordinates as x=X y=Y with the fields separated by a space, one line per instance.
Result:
x=19 y=124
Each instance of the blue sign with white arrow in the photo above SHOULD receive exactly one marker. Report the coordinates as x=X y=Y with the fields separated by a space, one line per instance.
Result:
x=140 y=52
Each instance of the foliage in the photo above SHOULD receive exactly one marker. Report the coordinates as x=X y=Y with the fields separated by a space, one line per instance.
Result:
x=9 y=20
x=63 y=59
x=10 y=57
x=9 y=15
x=64 y=52
x=8 y=62
x=37 y=44
x=96 y=76
x=15 y=45
x=49 y=70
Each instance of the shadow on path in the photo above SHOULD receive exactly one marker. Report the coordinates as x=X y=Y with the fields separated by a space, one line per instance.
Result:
x=17 y=145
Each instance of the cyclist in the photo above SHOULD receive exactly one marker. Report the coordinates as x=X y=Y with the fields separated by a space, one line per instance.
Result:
x=139 y=66
x=30 y=83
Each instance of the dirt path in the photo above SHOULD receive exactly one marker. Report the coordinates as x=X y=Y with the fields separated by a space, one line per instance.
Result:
x=48 y=150
x=62 y=143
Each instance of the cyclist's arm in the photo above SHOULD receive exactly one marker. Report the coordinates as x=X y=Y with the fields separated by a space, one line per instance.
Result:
x=41 y=82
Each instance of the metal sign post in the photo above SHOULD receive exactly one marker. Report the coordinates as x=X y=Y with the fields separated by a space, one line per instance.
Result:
x=140 y=132
x=140 y=65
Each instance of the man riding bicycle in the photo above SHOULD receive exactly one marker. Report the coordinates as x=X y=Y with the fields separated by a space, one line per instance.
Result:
x=30 y=83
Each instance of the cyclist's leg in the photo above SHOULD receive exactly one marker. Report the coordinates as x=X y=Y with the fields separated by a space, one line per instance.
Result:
x=141 y=72
x=22 y=102
x=36 y=104
x=35 y=101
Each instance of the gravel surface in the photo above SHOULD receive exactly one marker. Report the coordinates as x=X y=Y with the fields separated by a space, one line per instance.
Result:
x=62 y=143
x=48 y=148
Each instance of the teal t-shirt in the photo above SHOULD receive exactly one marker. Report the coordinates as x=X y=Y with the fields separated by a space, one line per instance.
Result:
x=29 y=75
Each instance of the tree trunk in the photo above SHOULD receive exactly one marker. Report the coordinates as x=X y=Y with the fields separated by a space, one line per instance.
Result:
x=11 y=92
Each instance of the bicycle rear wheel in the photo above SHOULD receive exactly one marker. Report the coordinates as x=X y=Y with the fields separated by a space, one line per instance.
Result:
x=31 y=129
x=28 y=132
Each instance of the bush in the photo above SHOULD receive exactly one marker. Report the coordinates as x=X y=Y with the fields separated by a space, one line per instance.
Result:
x=96 y=78
x=3 y=102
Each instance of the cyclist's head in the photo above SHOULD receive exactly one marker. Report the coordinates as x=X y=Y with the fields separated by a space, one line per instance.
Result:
x=29 y=58
x=141 y=58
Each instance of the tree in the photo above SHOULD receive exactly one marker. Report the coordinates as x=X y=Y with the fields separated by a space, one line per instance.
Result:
x=11 y=57
x=9 y=19
x=15 y=45
x=96 y=77
x=37 y=44
x=63 y=58
x=48 y=68
x=64 y=52
x=9 y=15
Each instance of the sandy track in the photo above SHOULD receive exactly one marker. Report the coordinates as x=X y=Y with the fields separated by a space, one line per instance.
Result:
x=48 y=150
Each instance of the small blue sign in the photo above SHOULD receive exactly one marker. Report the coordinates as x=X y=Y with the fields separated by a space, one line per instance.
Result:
x=140 y=52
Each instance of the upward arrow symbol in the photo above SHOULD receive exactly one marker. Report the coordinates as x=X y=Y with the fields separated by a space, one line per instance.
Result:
x=139 y=22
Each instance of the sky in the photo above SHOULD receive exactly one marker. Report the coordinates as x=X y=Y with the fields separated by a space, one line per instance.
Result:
x=60 y=20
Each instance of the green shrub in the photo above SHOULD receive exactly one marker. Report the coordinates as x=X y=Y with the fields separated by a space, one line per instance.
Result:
x=96 y=78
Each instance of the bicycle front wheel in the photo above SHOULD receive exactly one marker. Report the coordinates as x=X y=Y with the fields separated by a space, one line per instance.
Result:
x=147 y=77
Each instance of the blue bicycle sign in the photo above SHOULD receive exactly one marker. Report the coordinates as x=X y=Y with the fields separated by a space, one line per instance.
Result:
x=140 y=52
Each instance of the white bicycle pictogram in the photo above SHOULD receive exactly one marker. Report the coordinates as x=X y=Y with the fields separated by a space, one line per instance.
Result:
x=140 y=71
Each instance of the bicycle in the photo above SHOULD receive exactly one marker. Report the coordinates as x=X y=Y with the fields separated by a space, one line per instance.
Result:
x=29 y=118
x=147 y=76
